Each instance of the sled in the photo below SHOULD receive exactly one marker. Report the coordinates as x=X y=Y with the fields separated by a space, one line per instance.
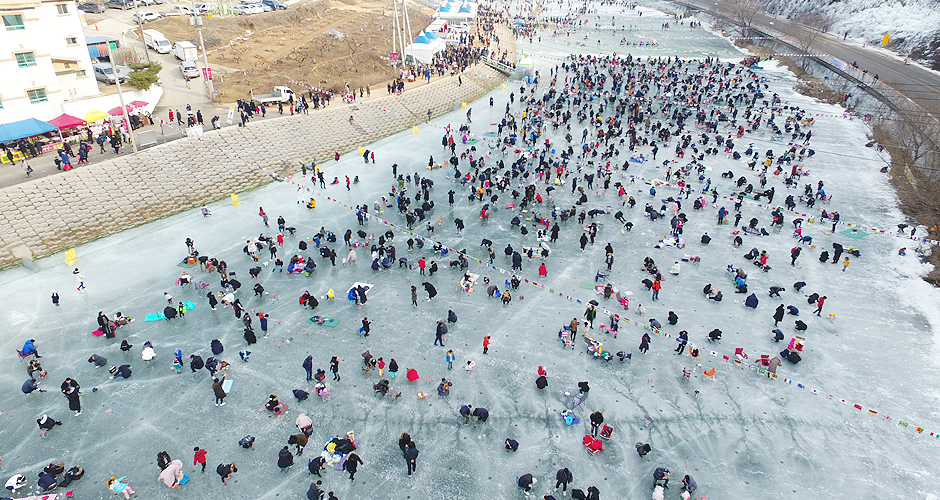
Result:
x=227 y=385
x=854 y=233
x=322 y=320
x=97 y=333
x=587 y=286
x=154 y=317
x=189 y=305
x=184 y=480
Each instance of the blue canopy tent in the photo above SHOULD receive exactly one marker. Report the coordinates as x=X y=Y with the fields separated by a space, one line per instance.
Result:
x=24 y=128
x=518 y=22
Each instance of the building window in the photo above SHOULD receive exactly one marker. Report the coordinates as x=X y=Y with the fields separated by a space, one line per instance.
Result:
x=14 y=22
x=71 y=40
x=37 y=96
x=63 y=9
x=80 y=73
x=26 y=59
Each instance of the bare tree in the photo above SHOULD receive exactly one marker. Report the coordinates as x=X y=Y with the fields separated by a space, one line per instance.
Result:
x=355 y=41
x=324 y=44
x=743 y=13
x=808 y=26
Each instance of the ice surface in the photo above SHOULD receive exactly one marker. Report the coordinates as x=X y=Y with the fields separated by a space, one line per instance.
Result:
x=739 y=434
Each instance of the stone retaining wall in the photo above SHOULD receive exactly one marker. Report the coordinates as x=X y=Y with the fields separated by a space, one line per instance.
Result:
x=54 y=213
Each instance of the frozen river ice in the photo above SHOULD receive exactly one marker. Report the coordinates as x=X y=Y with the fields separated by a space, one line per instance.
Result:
x=739 y=434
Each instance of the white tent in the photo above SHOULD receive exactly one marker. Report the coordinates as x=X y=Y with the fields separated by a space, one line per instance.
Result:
x=423 y=49
x=464 y=11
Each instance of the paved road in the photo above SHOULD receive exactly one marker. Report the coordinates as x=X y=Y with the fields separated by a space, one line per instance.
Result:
x=917 y=84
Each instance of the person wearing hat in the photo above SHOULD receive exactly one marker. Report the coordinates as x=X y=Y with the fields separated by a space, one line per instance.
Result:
x=527 y=482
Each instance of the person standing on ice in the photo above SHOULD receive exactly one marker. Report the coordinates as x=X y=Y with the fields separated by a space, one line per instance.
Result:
x=334 y=367
x=439 y=333
x=589 y=314
x=645 y=343
x=819 y=305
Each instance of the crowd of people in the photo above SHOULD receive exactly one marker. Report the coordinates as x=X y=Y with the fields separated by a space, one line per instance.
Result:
x=580 y=126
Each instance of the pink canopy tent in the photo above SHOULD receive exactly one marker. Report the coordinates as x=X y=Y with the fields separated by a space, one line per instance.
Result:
x=117 y=111
x=67 y=121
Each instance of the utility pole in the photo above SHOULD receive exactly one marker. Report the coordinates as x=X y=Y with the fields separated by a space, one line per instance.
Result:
x=117 y=79
x=404 y=8
x=141 y=27
x=197 y=21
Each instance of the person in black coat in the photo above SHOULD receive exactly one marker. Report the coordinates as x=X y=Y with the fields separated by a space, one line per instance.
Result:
x=196 y=363
x=315 y=493
x=411 y=456
x=527 y=482
x=285 y=458
x=428 y=287
x=352 y=465
x=597 y=418
x=778 y=314
x=562 y=478
x=673 y=318
x=250 y=336
x=212 y=300
x=683 y=340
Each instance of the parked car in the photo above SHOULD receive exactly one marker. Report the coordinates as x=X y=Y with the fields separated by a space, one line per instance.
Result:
x=104 y=73
x=256 y=8
x=202 y=8
x=146 y=17
x=92 y=7
x=188 y=68
x=119 y=4
x=178 y=10
x=274 y=4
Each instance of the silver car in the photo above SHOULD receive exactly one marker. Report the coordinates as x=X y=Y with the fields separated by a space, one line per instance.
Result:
x=104 y=73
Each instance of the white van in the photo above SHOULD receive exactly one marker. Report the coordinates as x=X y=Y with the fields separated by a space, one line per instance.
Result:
x=156 y=41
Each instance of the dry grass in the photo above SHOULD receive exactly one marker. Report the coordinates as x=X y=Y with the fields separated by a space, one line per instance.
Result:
x=260 y=51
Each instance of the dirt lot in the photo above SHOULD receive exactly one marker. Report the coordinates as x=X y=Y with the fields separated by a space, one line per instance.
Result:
x=275 y=48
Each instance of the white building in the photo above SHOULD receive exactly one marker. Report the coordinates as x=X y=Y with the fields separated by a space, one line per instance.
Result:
x=43 y=59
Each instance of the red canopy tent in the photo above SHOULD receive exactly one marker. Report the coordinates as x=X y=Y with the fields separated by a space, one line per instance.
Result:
x=67 y=121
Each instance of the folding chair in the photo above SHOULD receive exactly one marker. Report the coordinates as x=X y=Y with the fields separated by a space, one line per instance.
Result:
x=22 y=356
x=593 y=446
x=740 y=354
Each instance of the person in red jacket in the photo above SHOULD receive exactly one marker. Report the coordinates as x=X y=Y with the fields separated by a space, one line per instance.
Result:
x=486 y=344
x=543 y=271
x=657 y=286
x=421 y=265
x=819 y=305
x=199 y=457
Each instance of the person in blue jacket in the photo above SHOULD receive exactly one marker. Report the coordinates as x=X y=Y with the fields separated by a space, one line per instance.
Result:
x=29 y=348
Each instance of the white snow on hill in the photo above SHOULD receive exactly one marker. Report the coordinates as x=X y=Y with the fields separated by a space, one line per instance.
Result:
x=915 y=24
